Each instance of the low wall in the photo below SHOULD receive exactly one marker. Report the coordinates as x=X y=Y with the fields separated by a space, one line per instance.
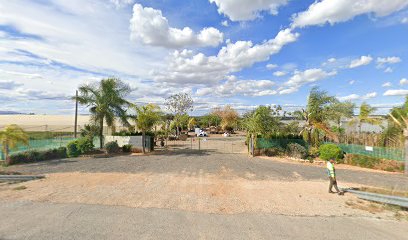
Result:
x=135 y=141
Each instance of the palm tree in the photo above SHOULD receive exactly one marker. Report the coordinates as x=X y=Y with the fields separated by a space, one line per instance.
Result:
x=192 y=123
x=106 y=102
x=146 y=117
x=338 y=110
x=10 y=137
x=316 y=117
x=399 y=116
x=364 y=116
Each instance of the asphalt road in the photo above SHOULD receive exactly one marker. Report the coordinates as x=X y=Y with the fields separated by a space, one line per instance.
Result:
x=194 y=161
x=27 y=220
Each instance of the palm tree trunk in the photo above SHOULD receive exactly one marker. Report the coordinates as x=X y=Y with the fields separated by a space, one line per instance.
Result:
x=143 y=141
x=406 y=150
x=6 y=153
x=101 y=132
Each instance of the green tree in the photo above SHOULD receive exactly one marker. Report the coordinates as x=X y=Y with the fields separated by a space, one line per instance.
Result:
x=316 y=117
x=10 y=137
x=399 y=116
x=365 y=116
x=339 y=110
x=106 y=102
x=261 y=121
x=228 y=115
x=146 y=117
x=179 y=104
x=192 y=123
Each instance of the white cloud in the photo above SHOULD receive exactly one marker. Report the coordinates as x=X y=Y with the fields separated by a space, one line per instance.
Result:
x=404 y=81
x=279 y=74
x=308 y=76
x=351 y=82
x=388 y=60
x=355 y=97
x=387 y=84
x=363 y=60
x=332 y=60
x=187 y=67
x=396 y=92
x=150 y=27
x=225 y=23
x=9 y=85
x=336 y=11
x=233 y=86
x=404 y=20
x=122 y=3
x=243 y=10
x=388 y=70
x=271 y=66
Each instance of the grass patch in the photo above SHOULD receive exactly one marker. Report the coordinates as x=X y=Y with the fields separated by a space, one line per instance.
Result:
x=20 y=188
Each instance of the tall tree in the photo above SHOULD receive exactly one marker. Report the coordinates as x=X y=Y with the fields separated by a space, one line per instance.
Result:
x=106 y=102
x=399 y=116
x=146 y=117
x=192 y=122
x=10 y=137
x=339 y=110
x=228 y=115
x=316 y=117
x=261 y=121
x=179 y=104
x=366 y=111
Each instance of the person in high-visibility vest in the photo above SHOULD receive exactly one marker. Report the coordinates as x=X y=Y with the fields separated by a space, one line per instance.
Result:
x=331 y=171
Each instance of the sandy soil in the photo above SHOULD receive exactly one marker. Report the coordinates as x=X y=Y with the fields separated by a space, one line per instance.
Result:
x=201 y=193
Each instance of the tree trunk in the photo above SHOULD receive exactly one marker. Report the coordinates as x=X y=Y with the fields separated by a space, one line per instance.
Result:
x=406 y=150
x=6 y=153
x=143 y=141
x=101 y=133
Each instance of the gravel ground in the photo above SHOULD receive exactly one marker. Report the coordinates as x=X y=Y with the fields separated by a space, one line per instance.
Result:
x=33 y=220
x=194 y=162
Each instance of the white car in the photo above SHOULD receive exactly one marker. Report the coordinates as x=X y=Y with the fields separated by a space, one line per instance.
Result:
x=202 y=134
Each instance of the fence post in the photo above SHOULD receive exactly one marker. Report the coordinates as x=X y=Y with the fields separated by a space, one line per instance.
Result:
x=199 y=143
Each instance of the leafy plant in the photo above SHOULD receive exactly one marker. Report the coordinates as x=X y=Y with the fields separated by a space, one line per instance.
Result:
x=106 y=102
x=72 y=149
x=147 y=117
x=329 y=151
x=85 y=145
x=112 y=147
x=296 y=150
x=10 y=137
x=36 y=156
x=127 y=148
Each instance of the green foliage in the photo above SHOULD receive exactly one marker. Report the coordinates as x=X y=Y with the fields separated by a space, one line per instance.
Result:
x=313 y=152
x=90 y=131
x=85 y=145
x=112 y=147
x=72 y=149
x=36 y=156
x=262 y=121
x=127 y=148
x=11 y=136
x=329 y=151
x=296 y=150
x=374 y=163
x=275 y=151
x=106 y=102
x=125 y=133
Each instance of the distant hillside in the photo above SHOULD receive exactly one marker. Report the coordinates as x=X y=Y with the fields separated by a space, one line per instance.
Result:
x=9 y=113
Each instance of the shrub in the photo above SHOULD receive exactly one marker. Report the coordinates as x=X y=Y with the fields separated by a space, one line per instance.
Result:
x=85 y=145
x=112 y=147
x=72 y=149
x=275 y=151
x=296 y=150
x=313 y=152
x=329 y=151
x=127 y=148
x=36 y=156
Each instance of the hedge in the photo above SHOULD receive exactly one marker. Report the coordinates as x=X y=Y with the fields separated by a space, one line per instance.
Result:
x=36 y=156
x=330 y=151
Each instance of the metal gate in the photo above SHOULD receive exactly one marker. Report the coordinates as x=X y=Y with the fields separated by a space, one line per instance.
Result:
x=228 y=145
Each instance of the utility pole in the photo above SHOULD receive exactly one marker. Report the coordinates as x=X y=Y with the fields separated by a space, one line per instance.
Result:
x=76 y=114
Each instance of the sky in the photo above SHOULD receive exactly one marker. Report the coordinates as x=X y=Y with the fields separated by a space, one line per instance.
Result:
x=239 y=52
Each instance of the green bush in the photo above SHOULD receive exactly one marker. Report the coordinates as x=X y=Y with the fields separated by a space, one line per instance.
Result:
x=275 y=151
x=72 y=149
x=112 y=147
x=85 y=145
x=296 y=150
x=329 y=151
x=127 y=148
x=36 y=156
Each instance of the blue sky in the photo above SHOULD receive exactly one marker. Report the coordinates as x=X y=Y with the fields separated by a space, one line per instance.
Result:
x=239 y=52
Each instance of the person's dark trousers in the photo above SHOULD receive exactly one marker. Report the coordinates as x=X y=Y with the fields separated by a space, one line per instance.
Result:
x=333 y=182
